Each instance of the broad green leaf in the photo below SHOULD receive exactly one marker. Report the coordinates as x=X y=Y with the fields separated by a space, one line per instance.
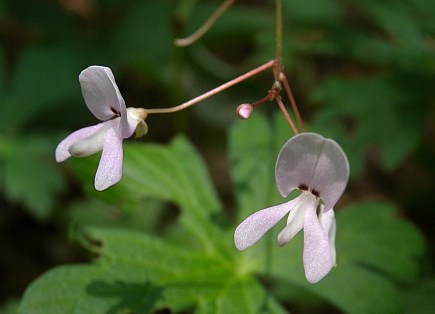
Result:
x=145 y=215
x=252 y=155
x=419 y=299
x=254 y=145
x=372 y=234
x=174 y=173
x=138 y=273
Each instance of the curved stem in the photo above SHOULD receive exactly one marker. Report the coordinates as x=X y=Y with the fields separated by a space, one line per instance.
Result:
x=214 y=91
x=278 y=29
x=186 y=41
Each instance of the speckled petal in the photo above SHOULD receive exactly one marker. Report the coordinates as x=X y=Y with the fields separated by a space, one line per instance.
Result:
x=101 y=94
x=327 y=219
x=109 y=169
x=317 y=254
x=310 y=160
x=255 y=226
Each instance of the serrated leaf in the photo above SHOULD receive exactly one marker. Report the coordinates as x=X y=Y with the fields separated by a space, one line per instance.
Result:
x=174 y=173
x=138 y=273
x=373 y=235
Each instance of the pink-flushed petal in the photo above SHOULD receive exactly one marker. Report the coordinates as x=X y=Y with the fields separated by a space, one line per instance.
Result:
x=295 y=219
x=311 y=161
x=109 y=169
x=317 y=254
x=62 y=150
x=101 y=94
x=255 y=226
x=327 y=220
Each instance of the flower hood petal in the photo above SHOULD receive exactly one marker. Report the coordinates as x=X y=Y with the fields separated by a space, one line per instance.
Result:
x=255 y=226
x=317 y=254
x=309 y=159
x=101 y=94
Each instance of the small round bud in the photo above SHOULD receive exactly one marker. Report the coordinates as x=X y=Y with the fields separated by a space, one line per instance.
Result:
x=244 y=111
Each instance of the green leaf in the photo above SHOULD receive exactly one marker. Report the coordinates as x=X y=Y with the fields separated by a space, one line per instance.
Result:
x=145 y=215
x=373 y=111
x=174 y=173
x=374 y=235
x=419 y=299
x=138 y=273
x=254 y=145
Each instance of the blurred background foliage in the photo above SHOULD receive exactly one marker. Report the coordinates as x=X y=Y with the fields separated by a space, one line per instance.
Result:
x=363 y=73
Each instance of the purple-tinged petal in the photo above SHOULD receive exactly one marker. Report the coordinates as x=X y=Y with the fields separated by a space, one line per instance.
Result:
x=109 y=169
x=311 y=161
x=62 y=150
x=255 y=226
x=295 y=219
x=101 y=94
x=93 y=143
x=297 y=161
x=332 y=174
x=317 y=254
x=327 y=220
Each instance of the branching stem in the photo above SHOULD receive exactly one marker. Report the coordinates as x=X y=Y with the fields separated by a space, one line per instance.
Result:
x=214 y=91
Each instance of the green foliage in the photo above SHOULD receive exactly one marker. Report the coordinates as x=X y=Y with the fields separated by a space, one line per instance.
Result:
x=22 y=162
x=378 y=93
x=419 y=299
x=139 y=272
x=363 y=73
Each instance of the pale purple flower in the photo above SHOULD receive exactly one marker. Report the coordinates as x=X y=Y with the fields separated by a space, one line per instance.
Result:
x=319 y=168
x=104 y=100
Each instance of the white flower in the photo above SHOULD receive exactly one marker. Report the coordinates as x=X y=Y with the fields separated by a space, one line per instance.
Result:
x=104 y=100
x=319 y=168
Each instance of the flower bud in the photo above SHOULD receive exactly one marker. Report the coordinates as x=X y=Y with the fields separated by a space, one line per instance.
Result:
x=244 y=111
